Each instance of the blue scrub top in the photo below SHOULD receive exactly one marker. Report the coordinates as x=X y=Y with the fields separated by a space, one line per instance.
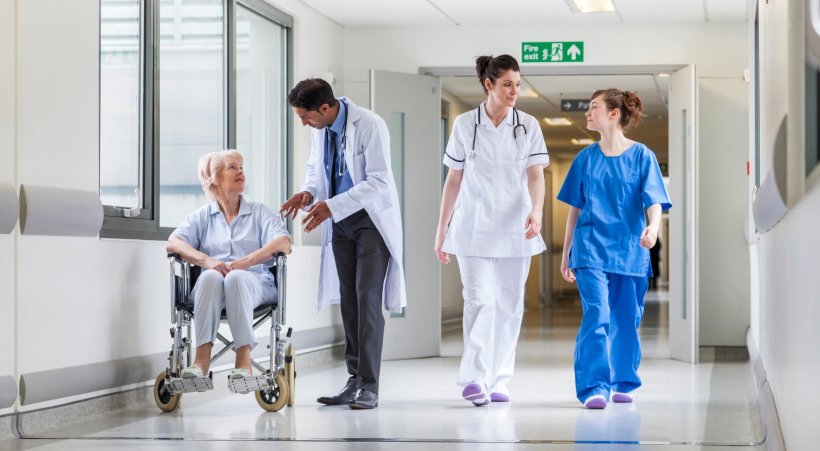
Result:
x=613 y=194
x=206 y=230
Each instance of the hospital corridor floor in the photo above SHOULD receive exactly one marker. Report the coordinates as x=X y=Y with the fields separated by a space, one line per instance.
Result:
x=709 y=406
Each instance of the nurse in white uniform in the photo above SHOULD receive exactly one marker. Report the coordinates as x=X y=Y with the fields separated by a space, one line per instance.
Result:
x=494 y=194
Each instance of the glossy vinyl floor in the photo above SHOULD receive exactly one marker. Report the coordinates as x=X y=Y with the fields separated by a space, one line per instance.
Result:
x=680 y=407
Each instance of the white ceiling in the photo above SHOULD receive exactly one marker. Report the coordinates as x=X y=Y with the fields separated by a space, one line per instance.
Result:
x=425 y=13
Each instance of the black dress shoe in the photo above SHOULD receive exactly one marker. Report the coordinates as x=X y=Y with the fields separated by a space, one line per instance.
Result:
x=365 y=399
x=342 y=399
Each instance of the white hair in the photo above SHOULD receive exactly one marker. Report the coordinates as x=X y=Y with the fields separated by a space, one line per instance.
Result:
x=209 y=166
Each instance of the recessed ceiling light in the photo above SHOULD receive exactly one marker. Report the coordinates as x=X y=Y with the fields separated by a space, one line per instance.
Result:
x=663 y=75
x=556 y=121
x=591 y=6
x=582 y=142
x=527 y=92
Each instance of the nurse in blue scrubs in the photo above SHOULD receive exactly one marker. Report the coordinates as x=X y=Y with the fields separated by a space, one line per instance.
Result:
x=612 y=187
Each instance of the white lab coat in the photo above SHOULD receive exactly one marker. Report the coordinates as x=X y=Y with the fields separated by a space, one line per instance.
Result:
x=367 y=155
x=493 y=200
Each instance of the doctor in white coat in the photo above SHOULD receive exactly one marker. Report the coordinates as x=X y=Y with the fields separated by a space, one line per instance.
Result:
x=494 y=193
x=349 y=180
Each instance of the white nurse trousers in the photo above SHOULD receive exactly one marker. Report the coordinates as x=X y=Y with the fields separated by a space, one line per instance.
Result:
x=493 y=309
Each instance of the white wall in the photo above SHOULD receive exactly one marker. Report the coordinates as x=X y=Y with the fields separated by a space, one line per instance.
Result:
x=85 y=300
x=789 y=254
x=7 y=138
x=407 y=49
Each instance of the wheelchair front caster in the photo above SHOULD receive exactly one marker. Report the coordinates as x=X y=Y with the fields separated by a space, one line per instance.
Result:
x=274 y=399
x=290 y=373
x=164 y=399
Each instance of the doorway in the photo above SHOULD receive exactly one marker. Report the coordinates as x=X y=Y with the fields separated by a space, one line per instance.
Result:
x=544 y=94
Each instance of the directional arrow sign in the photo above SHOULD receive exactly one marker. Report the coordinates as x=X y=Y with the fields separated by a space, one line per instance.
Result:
x=573 y=52
x=552 y=52
x=574 y=105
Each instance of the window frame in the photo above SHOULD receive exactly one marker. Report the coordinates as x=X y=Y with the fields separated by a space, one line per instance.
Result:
x=119 y=222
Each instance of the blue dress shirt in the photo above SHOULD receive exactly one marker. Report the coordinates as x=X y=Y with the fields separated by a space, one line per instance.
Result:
x=336 y=171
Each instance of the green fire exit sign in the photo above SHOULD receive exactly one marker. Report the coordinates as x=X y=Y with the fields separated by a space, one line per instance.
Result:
x=552 y=52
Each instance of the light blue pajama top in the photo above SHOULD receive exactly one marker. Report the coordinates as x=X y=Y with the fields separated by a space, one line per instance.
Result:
x=613 y=194
x=207 y=231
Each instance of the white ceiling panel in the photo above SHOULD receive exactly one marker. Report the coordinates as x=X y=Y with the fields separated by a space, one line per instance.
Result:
x=726 y=10
x=519 y=12
x=426 y=13
x=380 y=13
x=661 y=11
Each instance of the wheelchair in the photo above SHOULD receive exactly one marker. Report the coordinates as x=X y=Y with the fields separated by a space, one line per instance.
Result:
x=274 y=387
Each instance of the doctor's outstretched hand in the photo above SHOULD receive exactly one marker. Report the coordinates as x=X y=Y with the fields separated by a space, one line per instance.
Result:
x=317 y=214
x=443 y=257
x=533 y=225
x=296 y=203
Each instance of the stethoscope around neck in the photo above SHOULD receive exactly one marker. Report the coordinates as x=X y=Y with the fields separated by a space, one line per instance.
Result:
x=516 y=124
x=341 y=167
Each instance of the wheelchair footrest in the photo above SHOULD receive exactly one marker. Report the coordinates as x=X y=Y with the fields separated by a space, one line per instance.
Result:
x=249 y=384
x=185 y=385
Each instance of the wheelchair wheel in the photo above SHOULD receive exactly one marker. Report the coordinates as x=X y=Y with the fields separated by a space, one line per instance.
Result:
x=274 y=399
x=165 y=400
x=290 y=373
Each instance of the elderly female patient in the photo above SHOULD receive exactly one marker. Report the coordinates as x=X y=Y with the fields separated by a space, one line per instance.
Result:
x=232 y=239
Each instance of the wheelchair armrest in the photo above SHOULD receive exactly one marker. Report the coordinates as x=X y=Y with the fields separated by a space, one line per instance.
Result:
x=278 y=257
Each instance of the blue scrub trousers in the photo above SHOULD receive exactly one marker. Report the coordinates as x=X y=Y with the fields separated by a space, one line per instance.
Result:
x=607 y=348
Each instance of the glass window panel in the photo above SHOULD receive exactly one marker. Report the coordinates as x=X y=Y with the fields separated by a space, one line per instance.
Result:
x=260 y=120
x=120 y=150
x=191 y=105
